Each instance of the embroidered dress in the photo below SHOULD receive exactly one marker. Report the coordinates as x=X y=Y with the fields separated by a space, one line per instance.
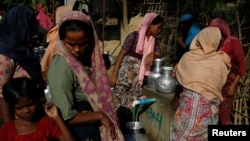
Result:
x=202 y=72
x=192 y=117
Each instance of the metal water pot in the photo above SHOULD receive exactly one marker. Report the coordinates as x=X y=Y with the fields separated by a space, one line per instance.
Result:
x=134 y=134
x=155 y=73
x=166 y=83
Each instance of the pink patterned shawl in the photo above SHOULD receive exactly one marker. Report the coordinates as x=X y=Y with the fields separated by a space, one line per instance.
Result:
x=145 y=47
x=97 y=88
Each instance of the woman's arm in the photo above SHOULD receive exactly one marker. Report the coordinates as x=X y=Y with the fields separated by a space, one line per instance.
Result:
x=7 y=67
x=118 y=62
x=181 y=42
x=5 y=111
x=238 y=54
x=84 y=118
x=61 y=83
x=149 y=60
x=233 y=87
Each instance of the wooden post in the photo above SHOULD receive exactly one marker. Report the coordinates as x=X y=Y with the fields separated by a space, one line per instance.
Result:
x=125 y=15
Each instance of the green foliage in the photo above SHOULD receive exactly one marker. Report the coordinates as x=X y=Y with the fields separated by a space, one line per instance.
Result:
x=30 y=3
x=202 y=10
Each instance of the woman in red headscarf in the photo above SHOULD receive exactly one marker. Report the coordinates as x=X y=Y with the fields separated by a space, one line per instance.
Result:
x=232 y=46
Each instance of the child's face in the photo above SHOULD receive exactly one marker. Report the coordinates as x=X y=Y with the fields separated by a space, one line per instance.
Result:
x=25 y=109
x=76 y=42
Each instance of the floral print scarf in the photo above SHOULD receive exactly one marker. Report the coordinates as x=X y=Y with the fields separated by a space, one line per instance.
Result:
x=97 y=88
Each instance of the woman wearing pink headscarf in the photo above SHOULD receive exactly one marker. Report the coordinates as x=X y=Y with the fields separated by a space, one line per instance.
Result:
x=232 y=46
x=135 y=59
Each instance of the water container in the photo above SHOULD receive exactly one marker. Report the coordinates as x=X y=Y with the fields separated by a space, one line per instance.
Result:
x=134 y=133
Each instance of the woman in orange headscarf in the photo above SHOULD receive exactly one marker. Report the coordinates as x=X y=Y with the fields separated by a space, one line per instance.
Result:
x=202 y=72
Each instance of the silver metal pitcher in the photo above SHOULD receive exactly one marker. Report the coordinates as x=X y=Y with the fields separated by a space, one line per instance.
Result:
x=166 y=83
x=155 y=73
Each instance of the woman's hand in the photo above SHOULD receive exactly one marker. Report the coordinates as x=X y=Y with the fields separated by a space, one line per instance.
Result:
x=231 y=90
x=181 y=42
x=109 y=125
x=174 y=70
x=113 y=79
x=51 y=110
x=149 y=60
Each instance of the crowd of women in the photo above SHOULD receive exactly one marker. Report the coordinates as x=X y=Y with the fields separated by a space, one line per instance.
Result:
x=82 y=106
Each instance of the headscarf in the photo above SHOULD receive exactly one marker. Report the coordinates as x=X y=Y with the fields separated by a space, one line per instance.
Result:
x=97 y=88
x=52 y=35
x=186 y=17
x=15 y=37
x=143 y=48
x=43 y=18
x=237 y=61
x=204 y=69
x=193 y=28
x=60 y=11
x=192 y=33
x=39 y=6
x=223 y=26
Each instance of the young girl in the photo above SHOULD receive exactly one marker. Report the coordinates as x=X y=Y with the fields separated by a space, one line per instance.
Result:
x=30 y=124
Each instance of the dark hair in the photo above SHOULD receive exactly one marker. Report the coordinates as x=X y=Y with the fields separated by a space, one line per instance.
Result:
x=76 y=25
x=18 y=88
x=158 y=19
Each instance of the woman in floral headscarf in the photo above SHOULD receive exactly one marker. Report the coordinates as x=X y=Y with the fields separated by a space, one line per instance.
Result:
x=232 y=46
x=78 y=81
x=135 y=59
x=202 y=72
